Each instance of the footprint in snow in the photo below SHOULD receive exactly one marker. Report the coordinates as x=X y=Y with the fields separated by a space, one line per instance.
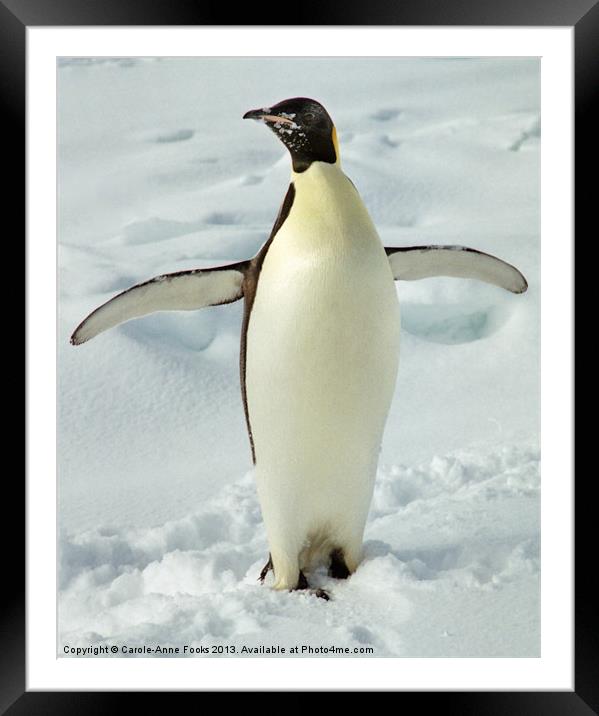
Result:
x=453 y=323
x=156 y=229
x=205 y=160
x=534 y=131
x=386 y=114
x=251 y=179
x=221 y=218
x=177 y=135
x=389 y=142
x=164 y=136
x=173 y=332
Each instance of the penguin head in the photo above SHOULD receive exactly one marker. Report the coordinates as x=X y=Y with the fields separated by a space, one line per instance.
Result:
x=305 y=128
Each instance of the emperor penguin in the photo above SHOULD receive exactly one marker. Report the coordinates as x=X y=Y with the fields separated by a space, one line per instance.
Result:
x=319 y=345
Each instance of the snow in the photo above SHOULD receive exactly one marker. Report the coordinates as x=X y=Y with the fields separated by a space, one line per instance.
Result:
x=161 y=539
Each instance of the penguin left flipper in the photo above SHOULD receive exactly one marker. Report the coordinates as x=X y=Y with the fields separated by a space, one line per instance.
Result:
x=180 y=291
x=411 y=263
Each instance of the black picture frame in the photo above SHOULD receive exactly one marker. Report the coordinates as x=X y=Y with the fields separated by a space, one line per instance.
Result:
x=15 y=17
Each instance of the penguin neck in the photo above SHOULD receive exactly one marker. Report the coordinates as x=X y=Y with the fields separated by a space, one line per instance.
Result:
x=301 y=163
x=320 y=188
x=324 y=174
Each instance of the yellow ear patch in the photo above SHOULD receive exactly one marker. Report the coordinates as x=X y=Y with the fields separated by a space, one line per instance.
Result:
x=336 y=143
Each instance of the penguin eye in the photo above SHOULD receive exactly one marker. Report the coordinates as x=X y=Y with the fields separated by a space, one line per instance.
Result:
x=309 y=117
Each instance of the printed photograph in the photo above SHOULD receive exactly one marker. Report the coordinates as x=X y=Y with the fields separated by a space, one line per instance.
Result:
x=298 y=357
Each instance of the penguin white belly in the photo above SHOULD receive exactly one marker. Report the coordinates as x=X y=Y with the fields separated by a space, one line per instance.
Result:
x=321 y=364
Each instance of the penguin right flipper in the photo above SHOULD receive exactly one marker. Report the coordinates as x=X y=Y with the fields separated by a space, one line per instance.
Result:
x=410 y=263
x=180 y=291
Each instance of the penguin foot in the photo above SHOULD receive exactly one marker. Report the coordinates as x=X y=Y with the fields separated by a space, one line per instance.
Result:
x=302 y=583
x=265 y=570
x=338 y=569
x=321 y=593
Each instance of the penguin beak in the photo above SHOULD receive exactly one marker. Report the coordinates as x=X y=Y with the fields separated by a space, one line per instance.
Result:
x=265 y=115
x=256 y=113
